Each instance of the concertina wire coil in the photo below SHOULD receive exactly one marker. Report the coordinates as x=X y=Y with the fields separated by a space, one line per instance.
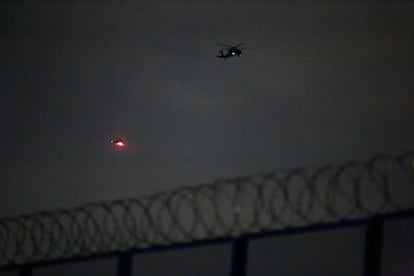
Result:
x=224 y=208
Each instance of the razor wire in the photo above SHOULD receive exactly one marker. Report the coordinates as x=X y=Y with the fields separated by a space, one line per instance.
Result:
x=224 y=208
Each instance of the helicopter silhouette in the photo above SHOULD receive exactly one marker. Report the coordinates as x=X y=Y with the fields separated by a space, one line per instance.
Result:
x=232 y=51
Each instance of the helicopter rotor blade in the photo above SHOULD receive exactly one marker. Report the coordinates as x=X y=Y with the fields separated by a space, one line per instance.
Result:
x=230 y=46
x=224 y=45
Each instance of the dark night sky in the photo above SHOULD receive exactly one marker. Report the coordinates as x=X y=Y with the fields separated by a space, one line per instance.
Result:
x=326 y=82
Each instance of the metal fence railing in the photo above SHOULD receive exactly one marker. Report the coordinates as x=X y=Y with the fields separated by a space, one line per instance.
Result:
x=224 y=208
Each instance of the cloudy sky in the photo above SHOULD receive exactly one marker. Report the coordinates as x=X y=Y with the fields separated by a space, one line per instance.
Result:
x=324 y=82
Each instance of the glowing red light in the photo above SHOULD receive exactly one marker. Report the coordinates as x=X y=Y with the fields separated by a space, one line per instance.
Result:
x=118 y=143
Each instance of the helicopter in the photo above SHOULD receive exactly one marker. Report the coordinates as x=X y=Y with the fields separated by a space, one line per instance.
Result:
x=232 y=51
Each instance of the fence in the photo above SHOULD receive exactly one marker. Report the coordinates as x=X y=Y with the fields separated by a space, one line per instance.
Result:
x=226 y=208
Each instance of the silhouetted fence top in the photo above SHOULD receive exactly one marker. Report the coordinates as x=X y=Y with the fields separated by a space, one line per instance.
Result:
x=224 y=208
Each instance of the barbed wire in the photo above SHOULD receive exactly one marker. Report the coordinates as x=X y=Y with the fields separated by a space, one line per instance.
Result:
x=224 y=208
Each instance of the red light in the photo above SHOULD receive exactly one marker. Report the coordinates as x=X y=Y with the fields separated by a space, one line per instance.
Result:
x=119 y=143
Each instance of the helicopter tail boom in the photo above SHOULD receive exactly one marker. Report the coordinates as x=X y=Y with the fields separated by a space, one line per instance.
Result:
x=221 y=54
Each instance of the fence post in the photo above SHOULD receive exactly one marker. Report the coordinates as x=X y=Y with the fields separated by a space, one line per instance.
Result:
x=125 y=264
x=239 y=256
x=373 y=247
x=25 y=270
